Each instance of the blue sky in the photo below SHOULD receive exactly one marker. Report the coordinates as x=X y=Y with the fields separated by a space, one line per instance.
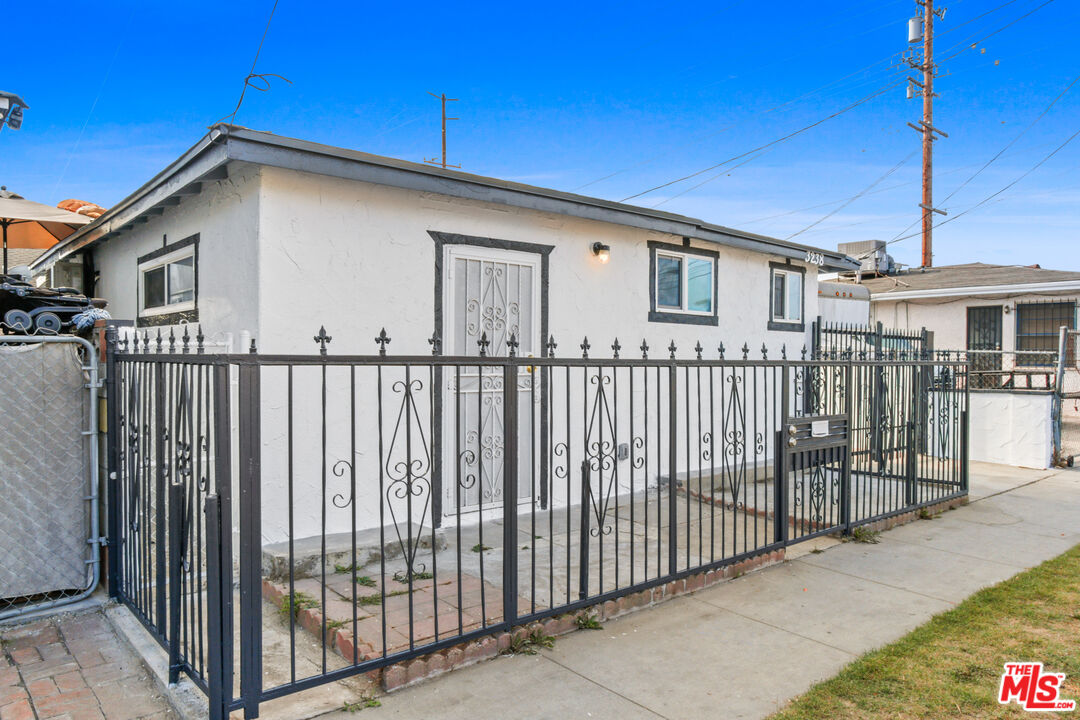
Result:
x=608 y=99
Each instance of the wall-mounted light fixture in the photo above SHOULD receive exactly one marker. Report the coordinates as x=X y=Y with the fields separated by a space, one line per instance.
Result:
x=601 y=251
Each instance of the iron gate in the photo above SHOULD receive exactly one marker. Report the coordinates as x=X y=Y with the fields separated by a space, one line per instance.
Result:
x=640 y=470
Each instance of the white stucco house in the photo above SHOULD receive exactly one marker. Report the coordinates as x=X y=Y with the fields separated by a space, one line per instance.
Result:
x=253 y=235
x=249 y=232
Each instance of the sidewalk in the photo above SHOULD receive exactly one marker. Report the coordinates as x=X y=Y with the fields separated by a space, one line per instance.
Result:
x=742 y=649
x=73 y=667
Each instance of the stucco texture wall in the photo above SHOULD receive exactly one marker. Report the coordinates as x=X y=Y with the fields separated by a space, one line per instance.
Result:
x=947 y=319
x=225 y=216
x=357 y=258
x=1011 y=428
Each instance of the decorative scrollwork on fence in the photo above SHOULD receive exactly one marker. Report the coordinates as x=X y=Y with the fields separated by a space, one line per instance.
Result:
x=600 y=455
x=735 y=437
x=340 y=500
x=408 y=466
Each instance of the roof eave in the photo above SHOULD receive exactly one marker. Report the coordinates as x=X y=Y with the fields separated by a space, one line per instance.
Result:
x=979 y=290
x=203 y=161
x=225 y=143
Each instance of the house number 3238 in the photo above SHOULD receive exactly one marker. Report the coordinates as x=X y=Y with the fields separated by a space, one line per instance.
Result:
x=815 y=257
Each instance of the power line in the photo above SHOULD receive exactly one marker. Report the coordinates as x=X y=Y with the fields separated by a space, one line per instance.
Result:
x=990 y=197
x=887 y=188
x=1001 y=152
x=252 y=75
x=850 y=200
x=790 y=135
x=707 y=136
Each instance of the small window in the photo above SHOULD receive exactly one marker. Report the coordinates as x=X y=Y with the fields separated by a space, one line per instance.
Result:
x=168 y=283
x=786 y=298
x=1038 y=326
x=684 y=286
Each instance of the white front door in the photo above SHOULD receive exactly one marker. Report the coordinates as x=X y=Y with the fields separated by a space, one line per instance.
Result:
x=489 y=295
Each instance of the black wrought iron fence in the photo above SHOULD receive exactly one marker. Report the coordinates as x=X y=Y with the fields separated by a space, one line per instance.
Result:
x=388 y=507
x=874 y=342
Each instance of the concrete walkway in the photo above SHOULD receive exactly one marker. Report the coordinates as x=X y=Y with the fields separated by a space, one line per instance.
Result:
x=744 y=648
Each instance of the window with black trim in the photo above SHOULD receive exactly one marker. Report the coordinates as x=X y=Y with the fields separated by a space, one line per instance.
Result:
x=683 y=284
x=1038 y=326
x=168 y=285
x=786 y=297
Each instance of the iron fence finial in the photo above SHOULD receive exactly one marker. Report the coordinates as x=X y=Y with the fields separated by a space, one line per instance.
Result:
x=615 y=347
x=721 y=349
x=644 y=349
x=585 y=347
x=383 y=339
x=512 y=345
x=783 y=351
x=745 y=351
x=252 y=349
x=698 y=349
x=199 y=347
x=671 y=349
x=436 y=343
x=322 y=339
x=185 y=340
x=172 y=341
x=804 y=351
x=483 y=343
x=764 y=352
x=159 y=340
x=551 y=345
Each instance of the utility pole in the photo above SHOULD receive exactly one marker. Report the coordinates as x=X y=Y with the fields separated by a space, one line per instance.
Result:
x=923 y=29
x=442 y=161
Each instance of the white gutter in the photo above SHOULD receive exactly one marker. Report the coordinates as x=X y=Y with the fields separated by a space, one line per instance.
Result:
x=1060 y=286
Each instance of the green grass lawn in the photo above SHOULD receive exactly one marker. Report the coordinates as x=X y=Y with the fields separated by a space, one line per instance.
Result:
x=951 y=666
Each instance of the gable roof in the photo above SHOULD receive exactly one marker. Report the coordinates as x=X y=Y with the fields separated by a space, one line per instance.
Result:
x=208 y=160
x=971 y=279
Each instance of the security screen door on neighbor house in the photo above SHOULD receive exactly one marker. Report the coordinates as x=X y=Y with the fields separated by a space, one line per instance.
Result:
x=494 y=293
x=984 y=338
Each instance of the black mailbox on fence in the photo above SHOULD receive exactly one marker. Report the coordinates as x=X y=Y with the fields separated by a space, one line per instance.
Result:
x=813 y=480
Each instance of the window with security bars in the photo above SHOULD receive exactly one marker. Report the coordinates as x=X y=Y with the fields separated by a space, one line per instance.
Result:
x=1037 y=329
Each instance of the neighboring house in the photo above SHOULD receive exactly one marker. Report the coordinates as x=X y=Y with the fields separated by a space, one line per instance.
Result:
x=977 y=306
x=250 y=232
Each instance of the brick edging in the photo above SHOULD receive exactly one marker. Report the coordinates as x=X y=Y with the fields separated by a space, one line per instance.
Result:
x=399 y=675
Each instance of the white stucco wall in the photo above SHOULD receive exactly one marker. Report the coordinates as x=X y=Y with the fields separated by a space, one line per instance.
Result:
x=1011 y=428
x=948 y=319
x=364 y=259
x=850 y=311
x=225 y=215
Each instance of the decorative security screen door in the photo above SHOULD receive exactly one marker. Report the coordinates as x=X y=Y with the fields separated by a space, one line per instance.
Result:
x=984 y=333
x=490 y=294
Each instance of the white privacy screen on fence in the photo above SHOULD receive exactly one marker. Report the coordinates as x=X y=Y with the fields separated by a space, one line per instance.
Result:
x=45 y=466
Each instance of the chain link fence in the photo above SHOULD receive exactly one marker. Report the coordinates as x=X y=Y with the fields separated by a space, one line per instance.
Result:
x=48 y=472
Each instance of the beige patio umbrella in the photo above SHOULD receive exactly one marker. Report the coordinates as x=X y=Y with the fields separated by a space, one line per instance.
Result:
x=28 y=224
